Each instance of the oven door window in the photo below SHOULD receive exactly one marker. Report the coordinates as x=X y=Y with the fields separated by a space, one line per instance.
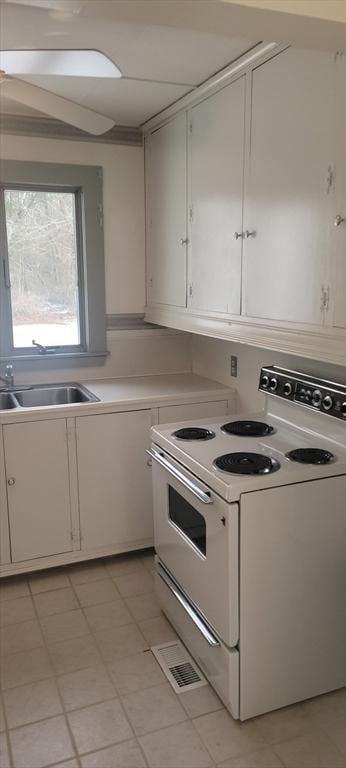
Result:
x=188 y=520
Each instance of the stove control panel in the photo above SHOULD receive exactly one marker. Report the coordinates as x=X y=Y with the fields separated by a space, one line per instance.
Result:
x=326 y=396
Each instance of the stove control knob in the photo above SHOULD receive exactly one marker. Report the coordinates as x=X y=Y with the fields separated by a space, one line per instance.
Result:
x=265 y=381
x=287 y=388
x=316 y=398
x=308 y=394
x=273 y=384
x=343 y=408
x=327 y=402
x=302 y=392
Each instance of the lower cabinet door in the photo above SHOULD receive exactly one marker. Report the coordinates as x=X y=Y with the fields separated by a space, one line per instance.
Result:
x=38 y=491
x=115 y=498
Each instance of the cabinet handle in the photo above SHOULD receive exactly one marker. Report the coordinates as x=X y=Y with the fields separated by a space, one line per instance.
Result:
x=339 y=220
x=11 y=480
x=183 y=241
x=237 y=235
x=251 y=233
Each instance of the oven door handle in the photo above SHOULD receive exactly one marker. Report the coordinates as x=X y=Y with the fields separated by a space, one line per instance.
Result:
x=160 y=458
x=208 y=636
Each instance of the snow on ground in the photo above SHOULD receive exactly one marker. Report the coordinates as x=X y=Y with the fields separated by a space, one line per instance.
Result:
x=49 y=334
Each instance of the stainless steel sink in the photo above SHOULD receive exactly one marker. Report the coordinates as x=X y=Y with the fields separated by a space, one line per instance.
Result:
x=53 y=394
x=7 y=401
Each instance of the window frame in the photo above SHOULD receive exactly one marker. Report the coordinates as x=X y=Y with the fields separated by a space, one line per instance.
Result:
x=85 y=182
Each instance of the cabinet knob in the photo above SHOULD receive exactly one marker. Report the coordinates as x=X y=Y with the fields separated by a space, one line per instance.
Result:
x=250 y=233
x=11 y=480
x=237 y=235
x=339 y=220
x=183 y=241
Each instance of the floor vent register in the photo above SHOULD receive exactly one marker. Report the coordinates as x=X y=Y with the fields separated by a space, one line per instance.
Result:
x=180 y=669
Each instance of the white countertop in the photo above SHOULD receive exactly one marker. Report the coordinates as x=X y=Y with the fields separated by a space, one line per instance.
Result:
x=130 y=393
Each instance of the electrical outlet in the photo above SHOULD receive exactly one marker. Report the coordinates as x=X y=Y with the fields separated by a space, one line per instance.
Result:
x=234 y=366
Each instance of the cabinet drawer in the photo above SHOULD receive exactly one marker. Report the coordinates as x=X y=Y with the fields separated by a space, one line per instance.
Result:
x=219 y=664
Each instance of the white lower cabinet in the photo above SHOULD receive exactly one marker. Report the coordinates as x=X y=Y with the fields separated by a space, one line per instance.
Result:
x=38 y=488
x=114 y=480
x=77 y=488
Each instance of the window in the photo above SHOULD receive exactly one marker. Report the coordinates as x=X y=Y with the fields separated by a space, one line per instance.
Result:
x=43 y=267
x=188 y=520
x=52 y=281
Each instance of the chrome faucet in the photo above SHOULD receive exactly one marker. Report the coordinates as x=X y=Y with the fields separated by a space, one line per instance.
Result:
x=8 y=379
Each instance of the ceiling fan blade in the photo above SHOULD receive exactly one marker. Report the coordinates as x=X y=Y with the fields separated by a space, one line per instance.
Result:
x=56 y=106
x=79 y=63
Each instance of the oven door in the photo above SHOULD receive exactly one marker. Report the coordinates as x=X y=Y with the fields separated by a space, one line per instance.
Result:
x=196 y=538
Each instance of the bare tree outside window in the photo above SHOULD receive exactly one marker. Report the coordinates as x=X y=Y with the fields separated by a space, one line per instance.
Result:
x=43 y=267
x=52 y=276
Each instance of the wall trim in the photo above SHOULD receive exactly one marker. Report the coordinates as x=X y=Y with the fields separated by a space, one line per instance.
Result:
x=129 y=321
x=50 y=128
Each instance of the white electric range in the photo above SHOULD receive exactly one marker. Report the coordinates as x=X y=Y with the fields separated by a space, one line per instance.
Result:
x=250 y=526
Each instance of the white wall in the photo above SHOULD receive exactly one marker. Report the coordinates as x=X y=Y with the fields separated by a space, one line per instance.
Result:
x=123 y=198
x=130 y=353
x=212 y=357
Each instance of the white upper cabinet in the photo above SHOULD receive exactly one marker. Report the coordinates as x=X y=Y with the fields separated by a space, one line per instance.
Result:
x=166 y=151
x=338 y=224
x=265 y=206
x=289 y=187
x=216 y=199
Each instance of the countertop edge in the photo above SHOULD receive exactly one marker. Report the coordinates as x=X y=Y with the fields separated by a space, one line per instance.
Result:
x=148 y=400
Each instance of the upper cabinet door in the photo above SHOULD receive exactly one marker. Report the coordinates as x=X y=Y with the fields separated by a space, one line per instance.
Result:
x=338 y=220
x=288 y=198
x=166 y=152
x=216 y=199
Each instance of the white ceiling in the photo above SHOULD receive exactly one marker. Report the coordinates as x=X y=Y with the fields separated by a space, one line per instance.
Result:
x=159 y=64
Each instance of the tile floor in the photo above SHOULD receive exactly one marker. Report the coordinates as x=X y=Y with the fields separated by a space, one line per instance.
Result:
x=81 y=689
